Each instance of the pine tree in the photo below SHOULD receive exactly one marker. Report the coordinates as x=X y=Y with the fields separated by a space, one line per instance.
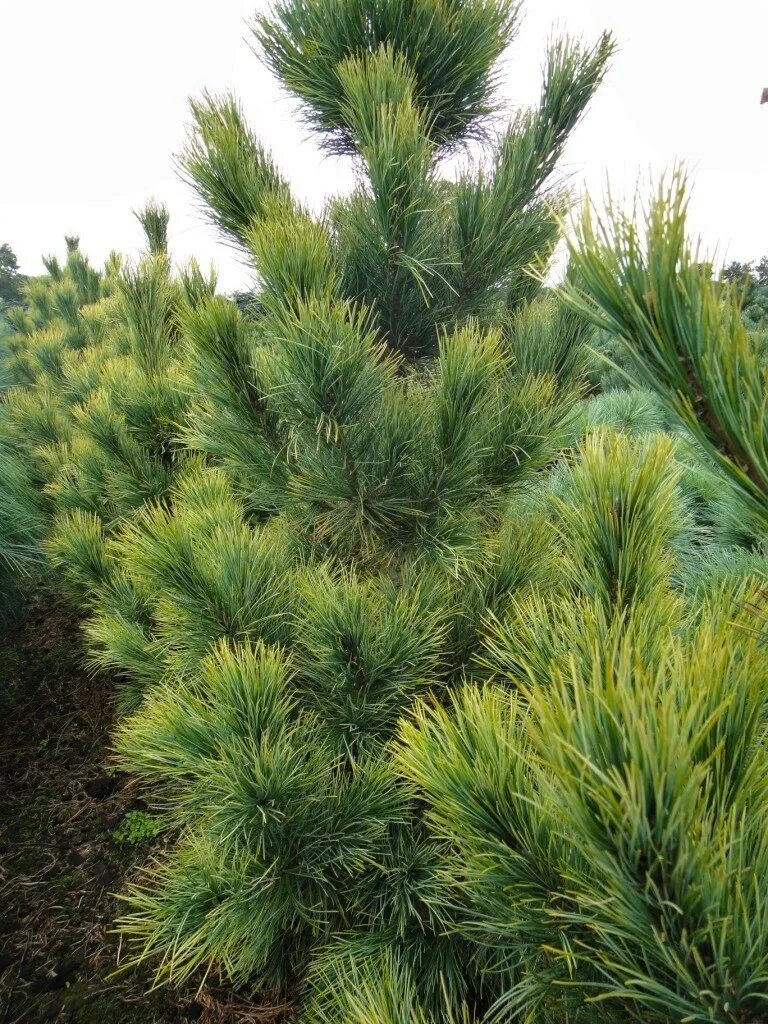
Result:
x=61 y=316
x=451 y=684
x=93 y=414
x=124 y=452
x=604 y=800
x=681 y=335
x=22 y=525
x=64 y=316
x=11 y=279
x=603 y=797
x=374 y=429
x=131 y=394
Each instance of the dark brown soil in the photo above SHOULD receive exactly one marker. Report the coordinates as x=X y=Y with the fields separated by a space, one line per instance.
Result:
x=60 y=864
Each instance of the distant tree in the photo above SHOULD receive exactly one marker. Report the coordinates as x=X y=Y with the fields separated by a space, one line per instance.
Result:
x=11 y=280
x=753 y=278
x=736 y=272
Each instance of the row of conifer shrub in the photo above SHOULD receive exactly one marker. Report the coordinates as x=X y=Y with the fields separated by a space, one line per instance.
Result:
x=434 y=595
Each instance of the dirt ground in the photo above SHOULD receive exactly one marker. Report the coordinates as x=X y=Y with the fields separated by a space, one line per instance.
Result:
x=60 y=863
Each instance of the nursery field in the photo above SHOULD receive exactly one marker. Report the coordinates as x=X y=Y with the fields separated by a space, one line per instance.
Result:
x=387 y=644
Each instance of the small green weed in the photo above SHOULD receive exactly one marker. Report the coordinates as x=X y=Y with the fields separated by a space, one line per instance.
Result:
x=135 y=828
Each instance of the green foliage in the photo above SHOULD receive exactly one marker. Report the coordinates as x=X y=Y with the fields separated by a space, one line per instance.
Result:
x=753 y=284
x=227 y=166
x=451 y=51
x=418 y=250
x=360 y=458
x=22 y=524
x=154 y=220
x=280 y=835
x=34 y=413
x=605 y=821
x=683 y=334
x=11 y=280
x=137 y=827
x=440 y=647
x=619 y=512
x=363 y=653
x=93 y=418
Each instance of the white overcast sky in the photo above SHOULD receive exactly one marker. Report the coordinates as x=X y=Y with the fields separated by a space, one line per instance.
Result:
x=95 y=104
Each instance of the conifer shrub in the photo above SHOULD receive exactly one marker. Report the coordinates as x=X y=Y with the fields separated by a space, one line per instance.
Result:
x=63 y=317
x=130 y=392
x=602 y=797
x=60 y=316
x=441 y=649
x=681 y=333
x=92 y=416
x=375 y=431
x=606 y=816
x=22 y=525
x=97 y=393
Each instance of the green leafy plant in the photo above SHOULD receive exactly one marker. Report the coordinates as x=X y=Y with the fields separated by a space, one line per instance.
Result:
x=137 y=827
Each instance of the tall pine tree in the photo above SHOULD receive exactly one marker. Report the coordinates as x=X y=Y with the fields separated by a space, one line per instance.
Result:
x=374 y=426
